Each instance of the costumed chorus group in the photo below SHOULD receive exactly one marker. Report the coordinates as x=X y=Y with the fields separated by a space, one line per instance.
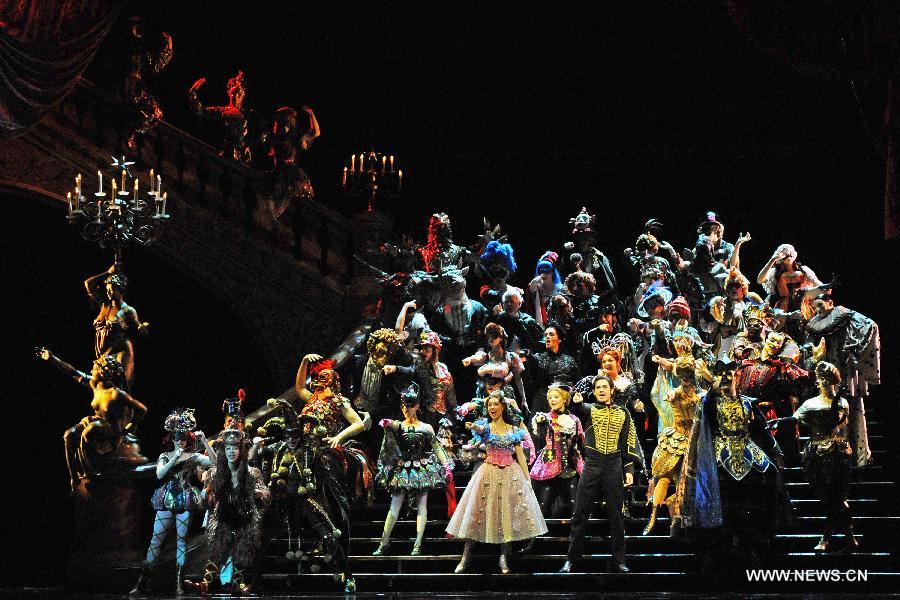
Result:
x=573 y=388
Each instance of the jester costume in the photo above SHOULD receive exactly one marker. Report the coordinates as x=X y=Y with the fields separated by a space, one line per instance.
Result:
x=561 y=461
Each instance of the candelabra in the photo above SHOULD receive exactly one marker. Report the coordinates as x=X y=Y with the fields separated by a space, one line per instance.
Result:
x=372 y=175
x=118 y=218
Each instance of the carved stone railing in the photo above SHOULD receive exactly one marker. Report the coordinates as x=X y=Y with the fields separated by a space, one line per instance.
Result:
x=290 y=302
x=225 y=187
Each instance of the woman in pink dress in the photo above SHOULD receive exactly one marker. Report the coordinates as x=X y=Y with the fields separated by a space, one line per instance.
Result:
x=498 y=506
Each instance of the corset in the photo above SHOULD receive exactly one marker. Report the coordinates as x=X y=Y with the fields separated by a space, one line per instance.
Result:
x=414 y=443
x=328 y=409
x=500 y=448
x=683 y=408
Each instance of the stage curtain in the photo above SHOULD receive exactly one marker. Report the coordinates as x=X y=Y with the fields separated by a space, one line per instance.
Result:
x=854 y=41
x=44 y=48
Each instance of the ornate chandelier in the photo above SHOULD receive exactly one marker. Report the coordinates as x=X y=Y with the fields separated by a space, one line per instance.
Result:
x=372 y=175
x=118 y=216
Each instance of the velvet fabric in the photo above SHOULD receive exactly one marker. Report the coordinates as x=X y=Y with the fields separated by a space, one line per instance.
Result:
x=44 y=48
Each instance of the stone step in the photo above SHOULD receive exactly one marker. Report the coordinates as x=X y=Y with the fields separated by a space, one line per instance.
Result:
x=872 y=472
x=483 y=576
x=802 y=506
x=659 y=542
x=879 y=525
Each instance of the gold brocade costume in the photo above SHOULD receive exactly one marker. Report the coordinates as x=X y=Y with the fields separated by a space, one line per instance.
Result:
x=672 y=443
x=735 y=451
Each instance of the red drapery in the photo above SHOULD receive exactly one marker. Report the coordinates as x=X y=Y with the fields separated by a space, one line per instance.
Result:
x=44 y=48
x=855 y=41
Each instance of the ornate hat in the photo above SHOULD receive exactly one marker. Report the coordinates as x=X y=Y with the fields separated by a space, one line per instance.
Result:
x=758 y=312
x=232 y=406
x=410 y=394
x=232 y=437
x=559 y=385
x=429 y=338
x=326 y=364
x=656 y=290
x=181 y=420
x=710 y=219
x=680 y=306
x=582 y=222
x=549 y=258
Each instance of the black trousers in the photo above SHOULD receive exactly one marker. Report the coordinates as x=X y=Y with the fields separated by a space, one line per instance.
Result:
x=564 y=489
x=601 y=474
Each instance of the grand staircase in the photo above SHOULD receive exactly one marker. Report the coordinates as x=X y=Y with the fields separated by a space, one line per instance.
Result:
x=658 y=562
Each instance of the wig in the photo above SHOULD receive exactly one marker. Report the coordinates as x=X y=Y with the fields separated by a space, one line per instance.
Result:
x=499 y=253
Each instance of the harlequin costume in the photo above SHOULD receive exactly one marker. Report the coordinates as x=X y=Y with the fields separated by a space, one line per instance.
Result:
x=561 y=461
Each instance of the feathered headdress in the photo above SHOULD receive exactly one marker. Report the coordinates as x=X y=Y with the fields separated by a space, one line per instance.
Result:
x=181 y=420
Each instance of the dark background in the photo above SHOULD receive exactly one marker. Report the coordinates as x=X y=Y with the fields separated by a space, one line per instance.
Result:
x=519 y=115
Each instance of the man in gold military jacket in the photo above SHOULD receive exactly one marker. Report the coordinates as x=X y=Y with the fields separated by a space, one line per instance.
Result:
x=610 y=450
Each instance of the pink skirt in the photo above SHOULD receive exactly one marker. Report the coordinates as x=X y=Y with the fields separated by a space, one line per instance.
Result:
x=498 y=506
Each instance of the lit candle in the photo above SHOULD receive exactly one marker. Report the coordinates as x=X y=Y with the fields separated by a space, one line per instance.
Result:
x=344 y=180
x=353 y=163
x=78 y=185
x=100 y=175
x=165 y=197
x=392 y=163
x=158 y=184
x=399 y=180
x=135 y=194
x=123 y=180
x=69 y=198
x=383 y=163
x=362 y=166
x=152 y=180
x=112 y=196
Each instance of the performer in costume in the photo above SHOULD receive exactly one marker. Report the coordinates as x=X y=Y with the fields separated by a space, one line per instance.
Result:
x=546 y=284
x=672 y=444
x=499 y=363
x=784 y=279
x=340 y=420
x=381 y=346
x=561 y=461
x=625 y=391
x=610 y=449
x=433 y=378
x=776 y=382
x=728 y=312
x=549 y=367
x=316 y=479
x=412 y=463
x=498 y=506
x=231 y=119
x=179 y=495
x=519 y=325
x=236 y=497
x=731 y=477
x=852 y=343
x=672 y=339
x=497 y=263
x=826 y=457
